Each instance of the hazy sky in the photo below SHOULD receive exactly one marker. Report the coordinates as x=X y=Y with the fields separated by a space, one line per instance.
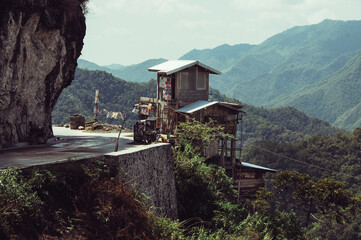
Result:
x=131 y=31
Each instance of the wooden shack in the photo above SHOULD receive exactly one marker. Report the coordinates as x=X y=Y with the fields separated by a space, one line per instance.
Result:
x=179 y=83
x=182 y=95
x=222 y=113
x=248 y=178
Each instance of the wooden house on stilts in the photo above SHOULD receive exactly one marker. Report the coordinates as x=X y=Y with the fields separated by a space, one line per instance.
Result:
x=182 y=95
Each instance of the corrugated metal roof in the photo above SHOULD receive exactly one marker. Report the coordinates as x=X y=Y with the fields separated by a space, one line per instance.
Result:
x=249 y=165
x=196 y=106
x=173 y=66
x=200 y=104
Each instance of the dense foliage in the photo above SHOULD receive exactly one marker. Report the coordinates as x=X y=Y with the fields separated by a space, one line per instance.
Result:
x=205 y=193
x=70 y=201
x=325 y=157
x=85 y=201
x=320 y=156
x=115 y=95
x=279 y=124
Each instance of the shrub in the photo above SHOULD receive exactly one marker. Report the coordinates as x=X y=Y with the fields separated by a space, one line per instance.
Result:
x=20 y=205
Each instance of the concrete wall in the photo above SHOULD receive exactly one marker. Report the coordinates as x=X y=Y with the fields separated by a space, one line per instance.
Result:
x=153 y=171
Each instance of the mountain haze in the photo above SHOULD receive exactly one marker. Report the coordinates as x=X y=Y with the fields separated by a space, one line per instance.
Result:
x=220 y=57
x=286 y=68
x=314 y=68
x=336 y=98
x=134 y=73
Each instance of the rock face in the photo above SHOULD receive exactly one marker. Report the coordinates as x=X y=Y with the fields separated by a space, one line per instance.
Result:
x=40 y=42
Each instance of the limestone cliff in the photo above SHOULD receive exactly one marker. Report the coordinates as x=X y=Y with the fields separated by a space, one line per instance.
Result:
x=40 y=42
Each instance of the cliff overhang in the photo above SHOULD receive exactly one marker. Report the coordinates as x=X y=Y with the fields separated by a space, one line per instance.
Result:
x=40 y=42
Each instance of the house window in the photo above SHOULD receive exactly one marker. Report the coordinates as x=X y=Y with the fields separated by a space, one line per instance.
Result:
x=201 y=81
x=184 y=80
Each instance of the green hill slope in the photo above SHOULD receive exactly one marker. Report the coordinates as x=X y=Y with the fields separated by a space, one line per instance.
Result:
x=282 y=70
x=221 y=57
x=335 y=98
x=280 y=125
x=114 y=95
x=286 y=124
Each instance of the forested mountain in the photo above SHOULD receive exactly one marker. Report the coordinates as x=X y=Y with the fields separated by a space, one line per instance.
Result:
x=134 y=73
x=282 y=125
x=221 y=57
x=336 y=98
x=330 y=157
x=115 y=95
x=314 y=68
x=289 y=65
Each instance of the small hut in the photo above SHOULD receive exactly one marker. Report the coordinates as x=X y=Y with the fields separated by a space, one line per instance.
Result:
x=248 y=178
x=179 y=83
x=182 y=95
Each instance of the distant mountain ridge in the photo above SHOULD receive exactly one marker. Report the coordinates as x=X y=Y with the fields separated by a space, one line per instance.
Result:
x=283 y=70
x=134 y=73
x=308 y=67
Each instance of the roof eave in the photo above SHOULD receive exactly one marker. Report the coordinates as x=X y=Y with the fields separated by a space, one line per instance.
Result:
x=191 y=64
x=211 y=70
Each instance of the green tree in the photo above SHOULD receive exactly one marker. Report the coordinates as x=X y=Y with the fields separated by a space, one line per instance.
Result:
x=325 y=196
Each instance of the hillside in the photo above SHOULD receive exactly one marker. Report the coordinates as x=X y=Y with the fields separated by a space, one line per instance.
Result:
x=134 y=73
x=220 y=57
x=114 y=95
x=260 y=124
x=308 y=67
x=336 y=98
x=286 y=124
x=286 y=66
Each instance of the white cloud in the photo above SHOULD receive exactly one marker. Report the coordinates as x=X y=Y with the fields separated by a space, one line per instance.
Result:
x=320 y=15
x=167 y=28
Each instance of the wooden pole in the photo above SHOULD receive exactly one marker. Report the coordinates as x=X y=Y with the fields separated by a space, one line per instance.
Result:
x=96 y=105
x=121 y=128
x=233 y=155
x=224 y=142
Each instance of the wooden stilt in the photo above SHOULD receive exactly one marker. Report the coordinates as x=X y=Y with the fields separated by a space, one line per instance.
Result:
x=233 y=155
x=224 y=142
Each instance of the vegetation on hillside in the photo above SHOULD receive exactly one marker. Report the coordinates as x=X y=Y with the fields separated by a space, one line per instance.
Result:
x=86 y=201
x=314 y=68
x=320 y=156
x=260 y=124
x=115 y=95
x=279 y=124
x=70 y=201
x=331 y=98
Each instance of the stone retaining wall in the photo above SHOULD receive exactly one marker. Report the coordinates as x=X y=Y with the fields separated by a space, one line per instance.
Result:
x=152 y=170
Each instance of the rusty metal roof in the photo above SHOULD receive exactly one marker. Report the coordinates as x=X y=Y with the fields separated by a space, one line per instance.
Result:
x=173 y=66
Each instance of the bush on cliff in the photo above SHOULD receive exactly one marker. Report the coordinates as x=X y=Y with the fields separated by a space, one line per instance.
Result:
x=70 y=201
